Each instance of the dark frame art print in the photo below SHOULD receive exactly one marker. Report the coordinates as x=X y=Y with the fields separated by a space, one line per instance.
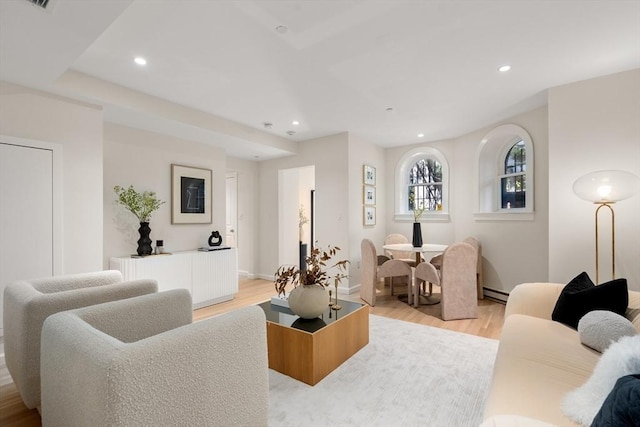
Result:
x=190 y=195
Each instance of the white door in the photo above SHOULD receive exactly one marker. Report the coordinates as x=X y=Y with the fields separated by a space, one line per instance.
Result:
x=26 y=214
x=232 y=210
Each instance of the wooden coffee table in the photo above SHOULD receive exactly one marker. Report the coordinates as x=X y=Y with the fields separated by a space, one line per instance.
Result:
x=308 y=350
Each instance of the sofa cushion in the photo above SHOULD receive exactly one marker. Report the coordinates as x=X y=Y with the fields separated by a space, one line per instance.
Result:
x=581 y=296
x=621 y=358
x=598 y=329
x=622 y=406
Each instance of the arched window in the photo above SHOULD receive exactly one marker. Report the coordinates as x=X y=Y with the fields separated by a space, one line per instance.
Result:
x=513 y=179
x=425 y=185
x=505 y=175
x=422 y=181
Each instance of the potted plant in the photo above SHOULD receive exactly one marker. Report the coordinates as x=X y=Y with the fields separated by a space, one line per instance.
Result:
x=142 y=205
x=309 y=298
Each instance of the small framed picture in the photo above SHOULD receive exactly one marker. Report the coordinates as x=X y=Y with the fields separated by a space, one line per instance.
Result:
x=368 y=175
x=190 y=195
x=369 y=215
x=369 y=196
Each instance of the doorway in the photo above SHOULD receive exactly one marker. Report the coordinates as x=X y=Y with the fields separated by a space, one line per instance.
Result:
x=231 y=237
x=295 y=213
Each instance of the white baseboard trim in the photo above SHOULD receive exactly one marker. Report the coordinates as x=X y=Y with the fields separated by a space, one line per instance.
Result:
x=242 y=273
x=495 y=294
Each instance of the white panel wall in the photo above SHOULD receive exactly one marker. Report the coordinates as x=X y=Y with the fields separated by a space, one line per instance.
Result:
x=593 y=125
x=143 y=159
x=330 y=157
x=30 y=114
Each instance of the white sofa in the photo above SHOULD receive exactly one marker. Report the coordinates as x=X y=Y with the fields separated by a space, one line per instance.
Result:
x=141 y=361
x=27 y=303
x=539 y=360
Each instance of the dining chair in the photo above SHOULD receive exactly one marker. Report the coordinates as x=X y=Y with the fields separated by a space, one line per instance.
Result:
x=458 y=282
x=425 y=273
x=406 y=256
x=437 y=263
x=371 y=272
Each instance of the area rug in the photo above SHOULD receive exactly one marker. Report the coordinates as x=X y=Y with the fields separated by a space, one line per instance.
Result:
x=408 y=375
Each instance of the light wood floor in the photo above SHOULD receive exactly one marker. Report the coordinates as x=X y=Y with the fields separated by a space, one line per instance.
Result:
x=13 y=413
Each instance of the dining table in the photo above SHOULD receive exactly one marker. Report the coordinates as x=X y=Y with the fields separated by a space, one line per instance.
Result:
x=426 y=251
x=431 y=249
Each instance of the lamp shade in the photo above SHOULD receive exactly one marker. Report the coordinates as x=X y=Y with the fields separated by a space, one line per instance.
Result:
x=606 y=186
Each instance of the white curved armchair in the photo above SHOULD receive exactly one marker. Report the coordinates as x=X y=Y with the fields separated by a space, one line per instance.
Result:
x=141 y=361
x=27 y=303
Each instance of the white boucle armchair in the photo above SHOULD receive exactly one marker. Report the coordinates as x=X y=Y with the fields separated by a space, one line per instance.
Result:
x=141 y=361
x=27 y=303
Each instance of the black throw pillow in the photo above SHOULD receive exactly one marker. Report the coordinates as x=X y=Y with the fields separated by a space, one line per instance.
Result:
x=622 y=406
x=581 y=296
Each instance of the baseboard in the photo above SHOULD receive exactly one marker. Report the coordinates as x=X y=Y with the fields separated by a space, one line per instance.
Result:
x=496 y=295
x=242 y=273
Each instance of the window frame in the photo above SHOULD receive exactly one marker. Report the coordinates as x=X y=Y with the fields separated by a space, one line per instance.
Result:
x=401 y=199
x=490 y=167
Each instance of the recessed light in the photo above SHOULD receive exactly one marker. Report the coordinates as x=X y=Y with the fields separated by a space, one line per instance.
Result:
x=291 y=132
x=295 y=123
x=140 y=60
x=421 y=135
x=281 y=29
x=504 y=68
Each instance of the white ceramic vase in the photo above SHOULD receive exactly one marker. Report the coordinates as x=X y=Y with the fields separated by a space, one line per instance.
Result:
x=308 y=301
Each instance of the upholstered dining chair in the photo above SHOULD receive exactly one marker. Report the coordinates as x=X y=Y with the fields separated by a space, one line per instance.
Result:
x=371 y=272
x=425 y=273
x=141 y=361
x=458 y=282
x=27 y=303
x=437 y=263
x=406 y=256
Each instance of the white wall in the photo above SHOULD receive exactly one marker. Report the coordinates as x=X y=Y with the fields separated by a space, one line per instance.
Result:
x=247 y=232
x=143 y=159
x=513 y=252
x=30 y=114
x=330 y=157
x=593 y=125
x=360 y=153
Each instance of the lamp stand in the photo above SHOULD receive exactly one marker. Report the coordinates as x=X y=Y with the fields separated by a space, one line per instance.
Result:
x=613 y=240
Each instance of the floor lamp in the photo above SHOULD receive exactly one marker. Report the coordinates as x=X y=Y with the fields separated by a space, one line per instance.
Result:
x=604 y=188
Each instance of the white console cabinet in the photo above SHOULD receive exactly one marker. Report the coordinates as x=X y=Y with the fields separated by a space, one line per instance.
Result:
x=211 y=277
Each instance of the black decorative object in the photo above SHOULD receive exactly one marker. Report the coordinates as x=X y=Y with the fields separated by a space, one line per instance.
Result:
x=144 y=242
x=303 y=256
x=417 y=235
x=215 y=235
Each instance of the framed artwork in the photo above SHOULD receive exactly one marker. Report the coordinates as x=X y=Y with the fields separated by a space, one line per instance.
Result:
x=369 y=196
x=190 y=195
x=369 y=215
x=368 y=175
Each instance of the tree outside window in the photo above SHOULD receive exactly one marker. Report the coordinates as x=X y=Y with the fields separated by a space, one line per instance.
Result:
x=425 y=185
x=513 y=188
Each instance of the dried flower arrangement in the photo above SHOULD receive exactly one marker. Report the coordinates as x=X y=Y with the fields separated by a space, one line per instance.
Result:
x=315 y=273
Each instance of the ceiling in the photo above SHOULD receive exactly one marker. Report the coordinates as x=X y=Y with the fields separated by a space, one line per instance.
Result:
x=384 y=71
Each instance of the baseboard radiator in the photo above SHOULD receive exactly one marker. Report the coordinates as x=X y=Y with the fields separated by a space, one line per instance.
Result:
x=496 y=295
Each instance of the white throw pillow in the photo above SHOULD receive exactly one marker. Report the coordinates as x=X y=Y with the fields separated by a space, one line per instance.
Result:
x=620 y=359
x=598 y=329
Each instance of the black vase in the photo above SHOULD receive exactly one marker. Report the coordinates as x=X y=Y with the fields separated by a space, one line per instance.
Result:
x=417 y=235
x=144 y=242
